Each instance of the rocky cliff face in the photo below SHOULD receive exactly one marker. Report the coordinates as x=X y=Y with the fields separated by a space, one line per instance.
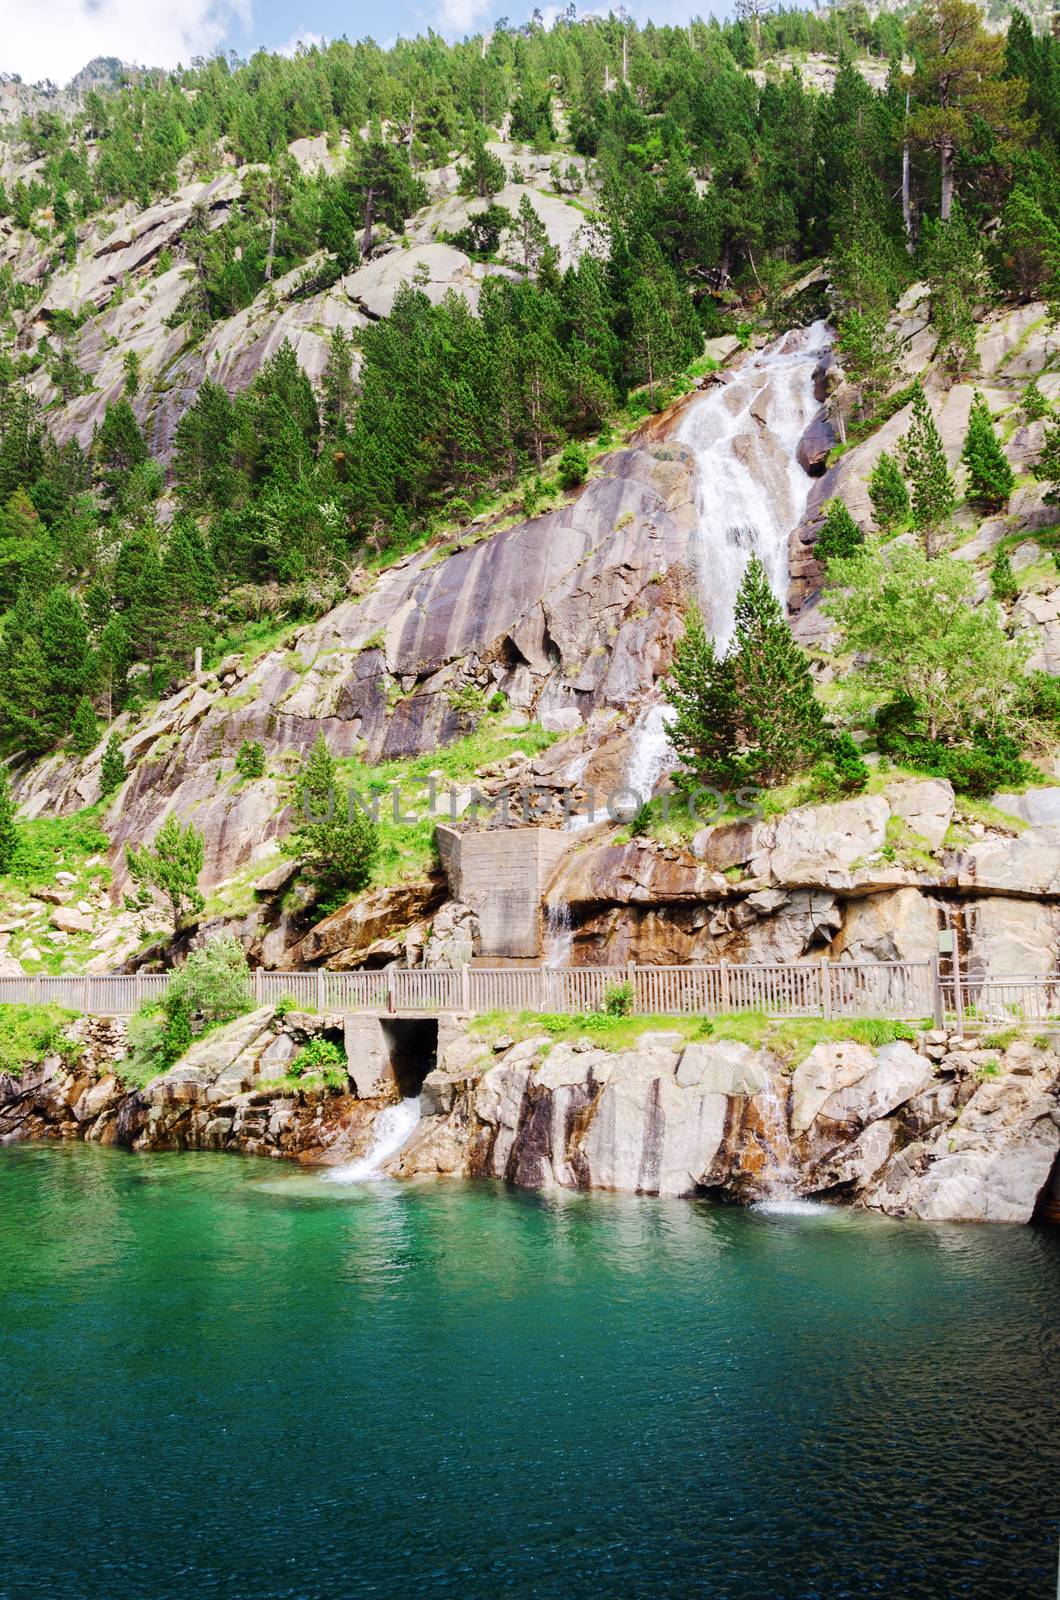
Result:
x=868 y=879
x=950 y=1132
x=572 y=615
x=942 y=1127
x=229 y=1092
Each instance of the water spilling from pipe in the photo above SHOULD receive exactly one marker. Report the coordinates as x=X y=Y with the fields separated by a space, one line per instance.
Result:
x=391 y=1132
x=559 y=933
x=751 y=492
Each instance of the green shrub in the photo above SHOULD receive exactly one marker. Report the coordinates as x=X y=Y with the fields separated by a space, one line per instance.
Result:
x=319 y=1058
x=250 y=761
x=841 y=770
x=618 y=1000
x=30 y=1033
x=985 y=763
x=1033 y=403
x=573 y=465
x=1003 y=583
x=459 y=510
x=177 y=1029
x=214 y=982
x=148 y=1049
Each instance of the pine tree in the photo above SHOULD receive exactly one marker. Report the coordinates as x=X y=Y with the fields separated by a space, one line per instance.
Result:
x=531 y=234
x=701 y=691
x=119 y=446
x=960 y=283
x=170 y=870
x=752 y=716
x=781 y=722
x=112 y=771
x=483 y=173
x=84 y=731
x=1003 y=585
x=990 y=478
x=839 y=535
x=1047 y=467
x=1033 y=403
x=934 y=493
x=8 y=831
x=337 y=385
x=888 y=493
x=335 y=841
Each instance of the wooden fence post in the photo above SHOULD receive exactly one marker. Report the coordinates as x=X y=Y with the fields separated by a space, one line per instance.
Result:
x=320 y=988
x=958 y=997
x=826 y=989
x=258 y=985
x=631 y=979
x=938 y=1008
x=726 y=1003
x=465 y=988
x=391 y=987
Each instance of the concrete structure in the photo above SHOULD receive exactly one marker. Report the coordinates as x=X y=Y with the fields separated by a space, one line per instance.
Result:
x=502 y=873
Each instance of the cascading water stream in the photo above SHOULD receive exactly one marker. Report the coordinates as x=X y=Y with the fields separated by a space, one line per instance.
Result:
x=779 y=1177
x=651 y=753
x=559 y=934
x=751 y=492
x=393 y=1128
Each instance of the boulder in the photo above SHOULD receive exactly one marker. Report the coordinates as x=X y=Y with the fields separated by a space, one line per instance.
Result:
x=724 y=1067
x=992 y=1165
x=811 y=452
x=648 y=1133
x=69 y=920
x=819 y=846
x=822 y=1075
x=926 y=808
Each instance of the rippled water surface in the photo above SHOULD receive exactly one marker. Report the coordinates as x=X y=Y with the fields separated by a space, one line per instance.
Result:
x=223 y=1378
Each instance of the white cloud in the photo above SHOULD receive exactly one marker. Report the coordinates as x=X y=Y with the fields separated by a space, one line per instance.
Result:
x=457 y=17
x=55 y=38
x=301 y=37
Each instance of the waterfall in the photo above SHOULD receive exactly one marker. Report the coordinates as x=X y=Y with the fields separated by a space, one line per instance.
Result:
x=559 y=934
x=751 y=492
x=779 y=1176
x=651 y=753
x=391 y=1132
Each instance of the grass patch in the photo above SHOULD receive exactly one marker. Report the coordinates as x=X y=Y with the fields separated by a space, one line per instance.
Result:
x=47 y=845
x=789 y=1040
x=333 y=1080
x=252 y=640
x=407 y=848
x=30 y=1033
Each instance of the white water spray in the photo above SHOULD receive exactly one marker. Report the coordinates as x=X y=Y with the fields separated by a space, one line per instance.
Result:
x=750 y=490
x=751 y=494
x=781 y=1197
x=559 y=934
x=651 y=753
x=392 y=1130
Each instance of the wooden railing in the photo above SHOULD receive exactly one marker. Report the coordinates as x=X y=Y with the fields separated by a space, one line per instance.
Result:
x=900 y=989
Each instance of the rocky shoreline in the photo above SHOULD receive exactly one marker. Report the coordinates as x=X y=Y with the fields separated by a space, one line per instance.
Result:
x=938 y=1126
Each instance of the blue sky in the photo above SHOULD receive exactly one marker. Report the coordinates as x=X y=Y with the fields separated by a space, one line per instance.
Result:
x=54 y=38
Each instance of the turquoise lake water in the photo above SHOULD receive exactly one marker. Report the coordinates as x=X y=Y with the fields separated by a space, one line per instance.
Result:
x=224 y=1378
